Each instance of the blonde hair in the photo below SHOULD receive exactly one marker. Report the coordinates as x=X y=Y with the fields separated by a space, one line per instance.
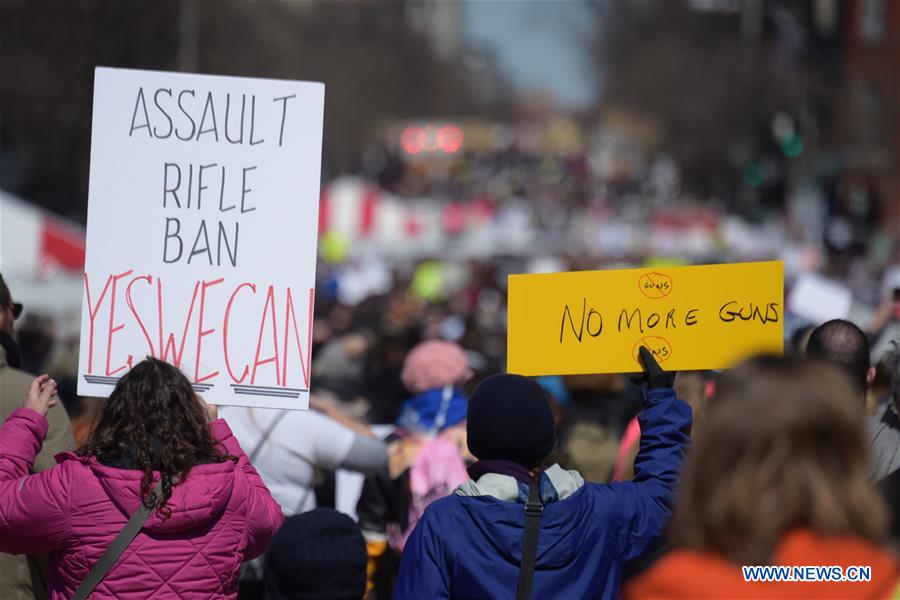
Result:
x=783 y=447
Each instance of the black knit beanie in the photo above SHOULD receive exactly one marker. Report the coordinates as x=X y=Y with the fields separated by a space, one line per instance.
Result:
x=510 y=418
x=317 y=554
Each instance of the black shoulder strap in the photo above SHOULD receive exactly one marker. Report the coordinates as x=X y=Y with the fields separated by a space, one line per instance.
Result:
x=116 y=548
x=533 y=511
x=266 y=434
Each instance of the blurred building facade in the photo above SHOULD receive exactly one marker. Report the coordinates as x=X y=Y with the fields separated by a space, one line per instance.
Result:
x=870 y=108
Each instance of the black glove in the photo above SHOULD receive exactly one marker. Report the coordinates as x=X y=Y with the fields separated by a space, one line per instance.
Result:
x=653 y=375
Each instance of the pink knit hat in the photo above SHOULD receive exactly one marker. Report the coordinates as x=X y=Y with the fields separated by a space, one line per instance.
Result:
x=434 y=364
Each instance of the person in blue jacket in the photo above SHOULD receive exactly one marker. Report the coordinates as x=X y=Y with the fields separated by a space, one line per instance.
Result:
x=470 y=544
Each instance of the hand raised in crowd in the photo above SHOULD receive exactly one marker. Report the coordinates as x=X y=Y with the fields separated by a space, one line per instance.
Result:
x=42 y=395
x=212 y=411
x=653 y=376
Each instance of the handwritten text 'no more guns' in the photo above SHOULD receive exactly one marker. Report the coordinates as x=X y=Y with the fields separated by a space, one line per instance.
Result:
x=588 y=320
x=280 y=346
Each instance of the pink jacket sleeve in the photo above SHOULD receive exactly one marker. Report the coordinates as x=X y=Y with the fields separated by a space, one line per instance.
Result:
x=264 y=515
x=33 y=508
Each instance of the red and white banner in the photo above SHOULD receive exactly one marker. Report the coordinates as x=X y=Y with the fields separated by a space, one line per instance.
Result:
x=35 y=243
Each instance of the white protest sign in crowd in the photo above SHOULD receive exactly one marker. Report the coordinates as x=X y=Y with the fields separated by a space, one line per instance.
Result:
x=201 y=240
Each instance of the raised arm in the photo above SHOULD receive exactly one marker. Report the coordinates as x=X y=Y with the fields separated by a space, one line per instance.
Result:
x=24 y=431
x=644 y=504
x=33 y=508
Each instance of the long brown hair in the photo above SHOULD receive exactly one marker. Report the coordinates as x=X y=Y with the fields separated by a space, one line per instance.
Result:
x=154 y=401
x=783 y=447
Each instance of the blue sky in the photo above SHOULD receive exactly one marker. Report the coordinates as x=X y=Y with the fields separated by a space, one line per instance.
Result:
x=539 y=44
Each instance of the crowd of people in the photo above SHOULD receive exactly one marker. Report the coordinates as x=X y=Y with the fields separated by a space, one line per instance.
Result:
x=476 y=484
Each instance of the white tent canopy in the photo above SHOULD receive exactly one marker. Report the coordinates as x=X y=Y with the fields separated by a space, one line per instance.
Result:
x=42 y=260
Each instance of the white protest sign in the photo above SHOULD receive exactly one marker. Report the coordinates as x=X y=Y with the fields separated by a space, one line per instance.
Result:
x=817 y=299
x=201 y=237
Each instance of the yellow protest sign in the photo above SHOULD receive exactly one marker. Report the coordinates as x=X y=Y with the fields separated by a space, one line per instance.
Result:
x=701 y=317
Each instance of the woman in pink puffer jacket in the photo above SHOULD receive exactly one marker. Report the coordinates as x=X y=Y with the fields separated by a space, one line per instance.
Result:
x=213 y=513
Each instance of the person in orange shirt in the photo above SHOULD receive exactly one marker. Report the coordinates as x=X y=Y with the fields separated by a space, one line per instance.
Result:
x=777 y=477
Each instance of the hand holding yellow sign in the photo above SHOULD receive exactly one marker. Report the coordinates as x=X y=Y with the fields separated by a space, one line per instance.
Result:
x=704 y=317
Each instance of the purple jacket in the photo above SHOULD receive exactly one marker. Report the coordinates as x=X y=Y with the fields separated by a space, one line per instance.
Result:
x=222 y=515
